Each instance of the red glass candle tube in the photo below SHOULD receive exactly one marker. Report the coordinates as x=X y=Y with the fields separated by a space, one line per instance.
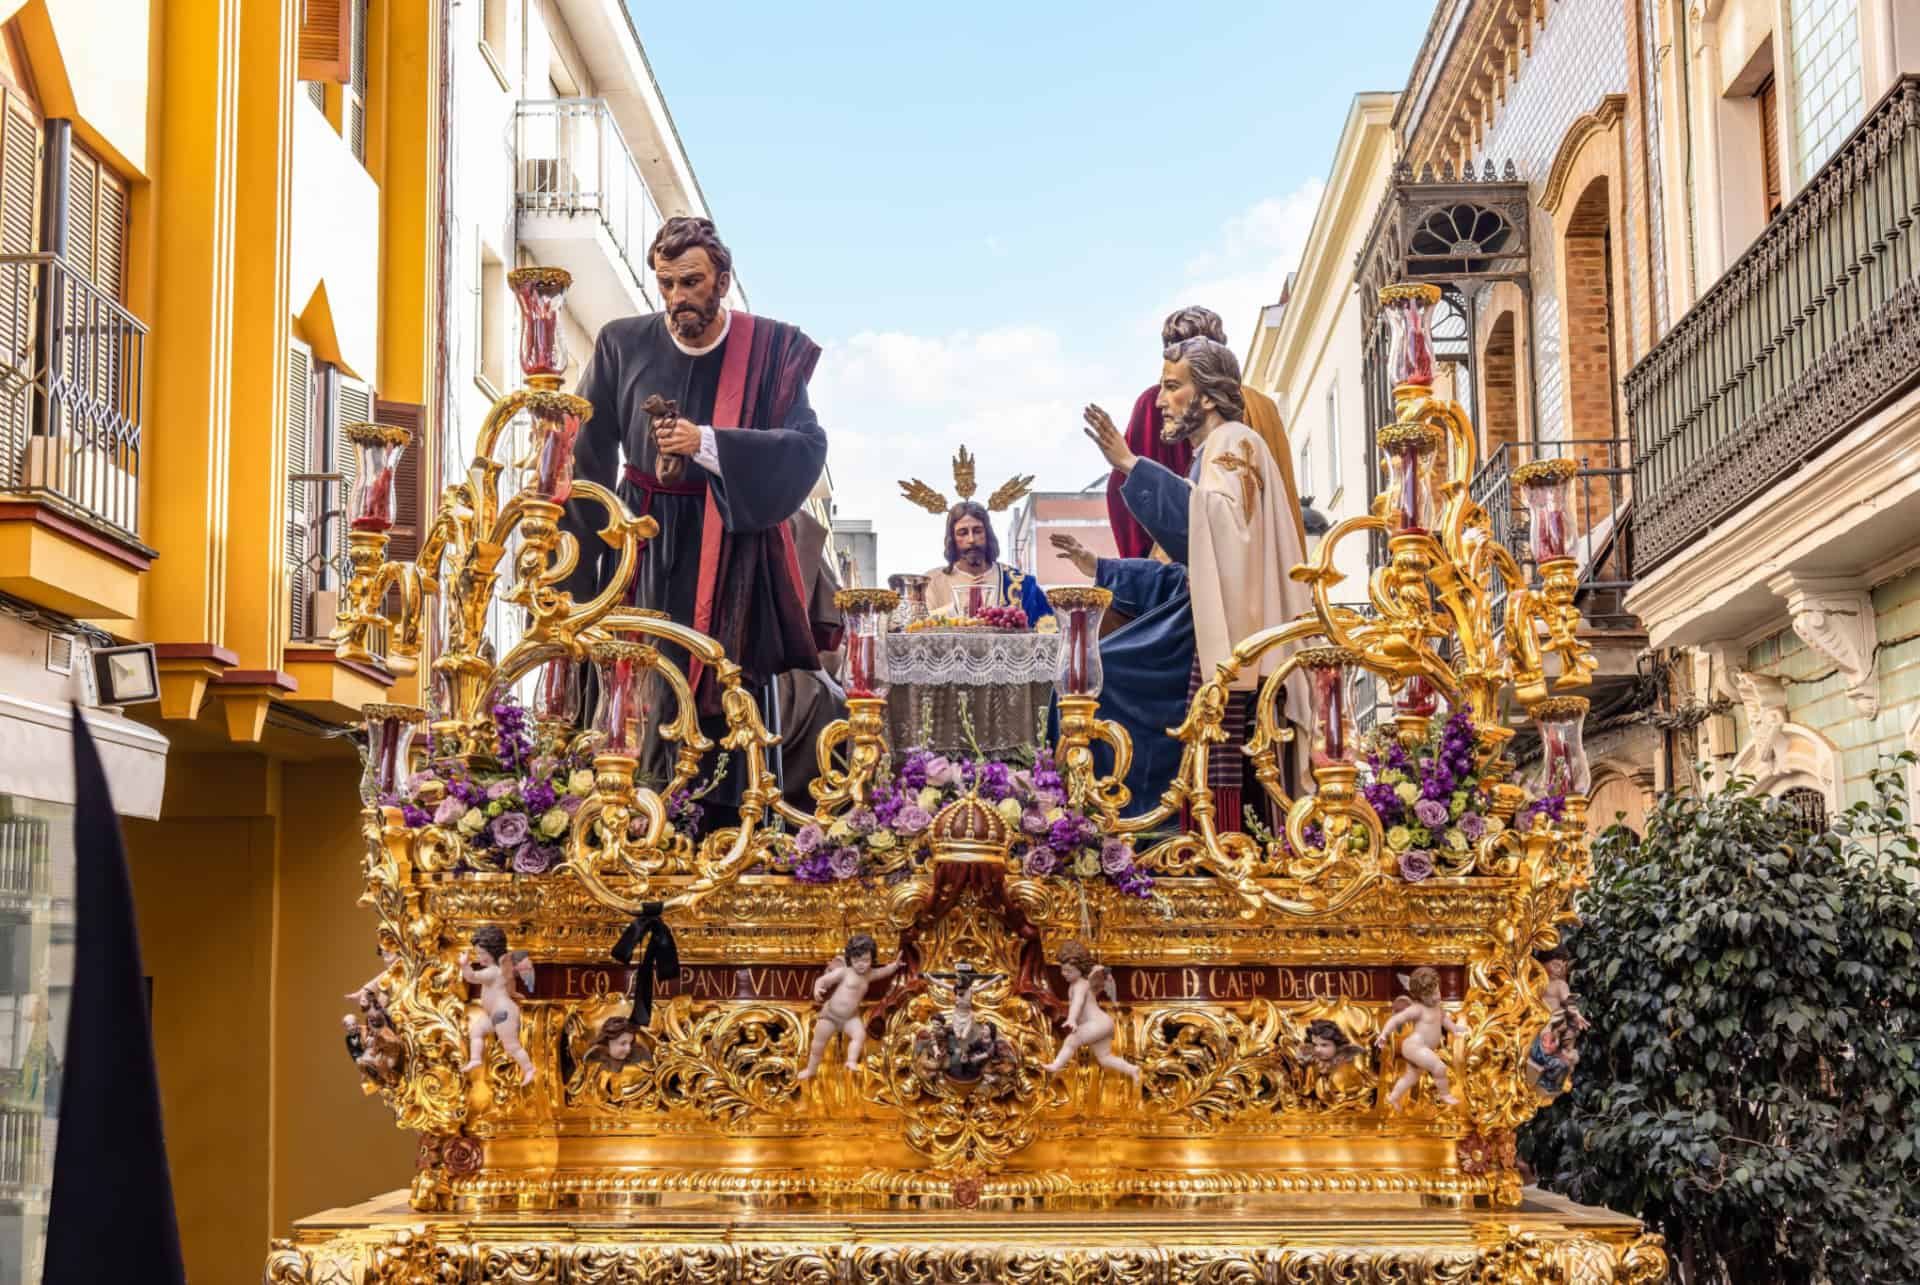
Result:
x=1079 y=609
x=1544 y=487
x=1329 y=736
x=541 y=293
x=1417 y=697
x=374 y=500
x=1409 y=451
x=1564 y=768
x=621 y=718
x=557 y=418
x=866 y=613
x=390 y=734
x=1408 y=310
x=556 y=692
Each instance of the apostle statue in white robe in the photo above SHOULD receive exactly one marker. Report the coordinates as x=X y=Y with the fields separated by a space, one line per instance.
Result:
x=1232 y=531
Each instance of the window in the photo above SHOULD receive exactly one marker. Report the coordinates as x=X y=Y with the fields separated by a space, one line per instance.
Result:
x=301 y=494
x=493 y=38
x=1305 y=481
x=1809 y=806
x=1767 y=99
x=1824 y=36
x=1333 y=440
x=353 y=106
x=490 y=323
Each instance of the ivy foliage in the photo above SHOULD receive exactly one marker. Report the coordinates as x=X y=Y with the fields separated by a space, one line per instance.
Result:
x=1750 y=1084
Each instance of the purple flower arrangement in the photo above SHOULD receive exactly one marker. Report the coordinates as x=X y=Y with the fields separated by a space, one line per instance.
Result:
x=1428 y=796
x=514 y=818
x=894 y=830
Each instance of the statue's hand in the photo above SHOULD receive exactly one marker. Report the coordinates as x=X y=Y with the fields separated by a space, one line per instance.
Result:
x=679 y=437
x=1078 y=554
x=1112 y=443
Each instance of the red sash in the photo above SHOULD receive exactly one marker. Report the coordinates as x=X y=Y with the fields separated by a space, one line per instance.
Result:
x=729 y=407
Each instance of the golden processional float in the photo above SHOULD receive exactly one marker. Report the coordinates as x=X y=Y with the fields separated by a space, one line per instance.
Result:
x=1312 y=1045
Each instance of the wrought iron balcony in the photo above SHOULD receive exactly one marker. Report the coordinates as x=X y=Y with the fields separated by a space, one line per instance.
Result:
x=583 y=204
x=71 y=365
x=1815 y=327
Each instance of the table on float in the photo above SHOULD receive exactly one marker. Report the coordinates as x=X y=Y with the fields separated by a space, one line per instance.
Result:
x=943 y=680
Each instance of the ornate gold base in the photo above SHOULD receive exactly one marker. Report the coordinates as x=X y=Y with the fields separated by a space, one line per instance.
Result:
x=694 y=1239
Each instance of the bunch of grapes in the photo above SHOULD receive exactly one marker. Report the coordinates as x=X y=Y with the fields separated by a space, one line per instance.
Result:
x=1003 y=617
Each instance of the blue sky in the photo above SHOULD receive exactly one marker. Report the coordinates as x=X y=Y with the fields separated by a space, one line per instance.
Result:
x=983 y=220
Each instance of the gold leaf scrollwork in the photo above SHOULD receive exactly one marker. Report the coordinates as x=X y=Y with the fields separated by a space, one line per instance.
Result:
x=415 y=1256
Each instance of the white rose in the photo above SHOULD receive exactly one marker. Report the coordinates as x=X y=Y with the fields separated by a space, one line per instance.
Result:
x=581 y=783
x=473 y=822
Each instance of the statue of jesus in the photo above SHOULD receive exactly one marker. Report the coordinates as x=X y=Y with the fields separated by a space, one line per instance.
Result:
x=973 y=558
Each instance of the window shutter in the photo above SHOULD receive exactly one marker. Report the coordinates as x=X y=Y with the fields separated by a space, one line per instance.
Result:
x=326 y=41
x=110 y=237
x=352 y=404
x=83 y=199
x=299 y=455
x=411 y=516
x=1769 y=99
x=19 y=226
x=355 y=106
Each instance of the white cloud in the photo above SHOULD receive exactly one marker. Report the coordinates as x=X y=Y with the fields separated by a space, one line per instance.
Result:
x=898 y=405
x=1245 y=269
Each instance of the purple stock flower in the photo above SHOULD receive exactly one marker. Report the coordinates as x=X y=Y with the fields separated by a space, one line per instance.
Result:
x=1431 y=813
x=510 y=829
x=816 y=867
x=570 y=804
x=1416 y=864
x=531 y=859
x=913 y=772
x=415 y=817
x=1068 y=833
x=450 y=810
x=538 y=795
x=994 y=781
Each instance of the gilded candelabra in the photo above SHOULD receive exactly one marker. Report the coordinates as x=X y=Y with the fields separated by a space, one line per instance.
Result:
x=1253 y=951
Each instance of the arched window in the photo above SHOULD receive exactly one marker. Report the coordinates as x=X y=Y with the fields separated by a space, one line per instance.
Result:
x=1809 y=805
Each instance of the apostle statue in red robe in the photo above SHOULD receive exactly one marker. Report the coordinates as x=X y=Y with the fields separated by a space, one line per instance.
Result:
x=721 y=475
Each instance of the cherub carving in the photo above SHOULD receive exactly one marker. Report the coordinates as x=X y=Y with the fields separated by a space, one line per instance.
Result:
x=1430 y=1025
x=372 y=997
x=1337 y=1074
x=1088 y=1025
x=839 y=991
x=499 y=1014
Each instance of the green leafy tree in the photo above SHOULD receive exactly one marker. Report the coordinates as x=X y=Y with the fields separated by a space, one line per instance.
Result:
x=1750 y=1084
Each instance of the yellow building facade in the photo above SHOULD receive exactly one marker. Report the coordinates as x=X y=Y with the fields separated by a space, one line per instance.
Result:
x=218 y=247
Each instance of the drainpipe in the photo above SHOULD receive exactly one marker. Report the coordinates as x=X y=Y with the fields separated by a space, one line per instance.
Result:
x=1684 y=61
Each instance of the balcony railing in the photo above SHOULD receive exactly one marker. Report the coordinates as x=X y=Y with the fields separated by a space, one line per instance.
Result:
x=1811 y=330
x=71 y=364
x=572 y=159
x=1603 y=518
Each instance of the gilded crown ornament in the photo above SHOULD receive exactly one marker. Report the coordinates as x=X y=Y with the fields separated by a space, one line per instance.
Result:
x=1005 y=496
x=1350 y=1005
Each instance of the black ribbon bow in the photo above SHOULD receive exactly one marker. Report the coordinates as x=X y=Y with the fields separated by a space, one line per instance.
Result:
x=659 y=958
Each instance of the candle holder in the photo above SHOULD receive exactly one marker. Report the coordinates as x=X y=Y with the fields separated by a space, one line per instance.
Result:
x=557 y=701
x=375 y=496
x=620 y=720
x=1561 y=723
x=1544 y=487
x=1414 y=706
x=1409 y=451
x=541 y=293
x=390 y=734
x=1409 y=314
x=1079 y=609
x=1329 y=728
x=557 y=418
x=864 y=672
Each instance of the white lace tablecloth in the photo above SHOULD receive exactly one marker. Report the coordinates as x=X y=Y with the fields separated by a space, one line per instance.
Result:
x=972 y=657
x=958 y=690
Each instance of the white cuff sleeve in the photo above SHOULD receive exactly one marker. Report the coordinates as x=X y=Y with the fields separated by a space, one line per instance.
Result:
x=708 y=456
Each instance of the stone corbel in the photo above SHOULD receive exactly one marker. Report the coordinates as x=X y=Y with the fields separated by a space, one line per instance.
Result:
x=1764 y=698
x=1835 y=618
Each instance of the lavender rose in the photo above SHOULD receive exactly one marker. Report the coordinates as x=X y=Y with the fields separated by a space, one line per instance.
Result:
x=1034 y=821
x=1473 y=825
x=912 y=819
x=942 y=771
x=1041 y=862
x=531 y=859
x=1431 y=813
x=1115 y=856
x=1416 y=864
x=510 y=829
x=862 y=821
x=807 y=839
x=500 y=790
x=449 y=811
x=844 y=862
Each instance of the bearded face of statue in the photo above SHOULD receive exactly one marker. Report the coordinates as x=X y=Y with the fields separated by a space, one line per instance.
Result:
x=691 y=291
x=970 y=540
x=1183 y=410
